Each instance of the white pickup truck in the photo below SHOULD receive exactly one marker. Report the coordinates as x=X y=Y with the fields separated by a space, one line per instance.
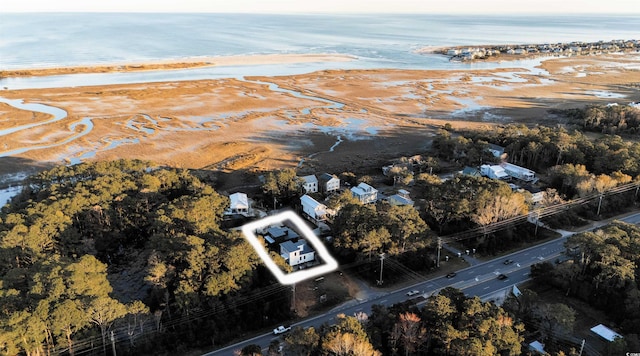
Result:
x=281 y=329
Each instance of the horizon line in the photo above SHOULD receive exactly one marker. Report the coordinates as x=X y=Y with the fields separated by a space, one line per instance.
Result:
x=311 y=13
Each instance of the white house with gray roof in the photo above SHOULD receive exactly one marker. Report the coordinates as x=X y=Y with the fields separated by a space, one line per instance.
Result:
x=296 y=253
x=314 y=209
x=310 y=183
x=365 y=193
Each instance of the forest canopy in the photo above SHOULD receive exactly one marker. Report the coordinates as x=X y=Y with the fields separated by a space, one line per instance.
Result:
x=73 y=228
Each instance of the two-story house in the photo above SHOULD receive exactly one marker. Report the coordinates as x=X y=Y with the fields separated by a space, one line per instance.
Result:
x=314 y=209
x=365 y=193
x=296 y=253
x=329 y=183
x=310 y=183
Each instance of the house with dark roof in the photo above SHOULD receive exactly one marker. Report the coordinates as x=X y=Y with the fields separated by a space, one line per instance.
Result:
x=496 y=151
x=328 y=183
x=471 y=171
x=297 y=253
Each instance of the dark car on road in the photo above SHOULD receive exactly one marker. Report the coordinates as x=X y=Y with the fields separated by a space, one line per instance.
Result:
x=502 y=276
x=451 y=275
x=508 y=262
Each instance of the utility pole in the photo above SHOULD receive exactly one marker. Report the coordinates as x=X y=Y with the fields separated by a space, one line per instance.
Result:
x=381 y=266
x=113 y=343
x=439 y=248
x=581 y=347
x=599 y=204
x=293 y=298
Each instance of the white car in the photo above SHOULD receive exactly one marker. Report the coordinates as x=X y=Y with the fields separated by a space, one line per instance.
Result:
x=413 y=292
x=281 y=329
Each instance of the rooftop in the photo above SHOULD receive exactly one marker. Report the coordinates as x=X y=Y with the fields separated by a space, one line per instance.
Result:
x=310 y=179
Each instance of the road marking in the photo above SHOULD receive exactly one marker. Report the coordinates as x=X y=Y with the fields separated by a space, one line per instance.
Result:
x=487 y=287
x=526 y=254
x=383 y=301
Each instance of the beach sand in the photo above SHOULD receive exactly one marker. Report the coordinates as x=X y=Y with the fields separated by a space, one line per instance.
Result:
x=232 y=125
x=180 y=63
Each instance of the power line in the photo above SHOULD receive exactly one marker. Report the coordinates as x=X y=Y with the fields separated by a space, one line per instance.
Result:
x=543 y=212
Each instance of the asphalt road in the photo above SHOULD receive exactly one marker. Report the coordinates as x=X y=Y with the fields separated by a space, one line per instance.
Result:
x=478 y=280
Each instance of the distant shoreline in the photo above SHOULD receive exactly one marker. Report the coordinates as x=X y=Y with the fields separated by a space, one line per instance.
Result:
x=532 y=50
x=182 y=63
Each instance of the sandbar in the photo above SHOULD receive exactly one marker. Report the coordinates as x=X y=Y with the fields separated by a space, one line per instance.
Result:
x=180 y=63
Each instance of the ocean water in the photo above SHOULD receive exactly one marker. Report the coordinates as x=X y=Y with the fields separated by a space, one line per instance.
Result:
x=32 y=40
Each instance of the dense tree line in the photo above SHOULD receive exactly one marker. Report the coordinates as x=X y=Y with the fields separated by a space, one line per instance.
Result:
x=610 y=119
x=604 y=271
x=448 y=324
x=73 y=229
x=367 y=230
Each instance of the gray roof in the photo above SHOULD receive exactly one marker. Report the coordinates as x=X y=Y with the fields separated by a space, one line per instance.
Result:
x=471 y=171
x=401 y=200
x=293 y=246
x=325 y=177
x=277 y=231
x=310 y=179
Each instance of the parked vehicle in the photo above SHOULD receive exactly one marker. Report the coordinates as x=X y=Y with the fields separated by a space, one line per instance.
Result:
x=281 y=329
x=502 y=276
x=451 y=275
x=413 y=292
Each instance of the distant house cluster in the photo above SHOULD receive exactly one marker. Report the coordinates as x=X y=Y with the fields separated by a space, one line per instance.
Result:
x=571 y=48
x=508 y=172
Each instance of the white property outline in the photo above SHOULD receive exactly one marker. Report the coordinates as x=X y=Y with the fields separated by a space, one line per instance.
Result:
x=249 y=231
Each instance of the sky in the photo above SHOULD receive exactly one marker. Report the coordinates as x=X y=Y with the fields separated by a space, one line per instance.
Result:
x=331 y=6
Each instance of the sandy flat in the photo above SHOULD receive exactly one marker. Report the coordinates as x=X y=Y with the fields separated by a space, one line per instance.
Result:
x=351 y=119
x=180 y=63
